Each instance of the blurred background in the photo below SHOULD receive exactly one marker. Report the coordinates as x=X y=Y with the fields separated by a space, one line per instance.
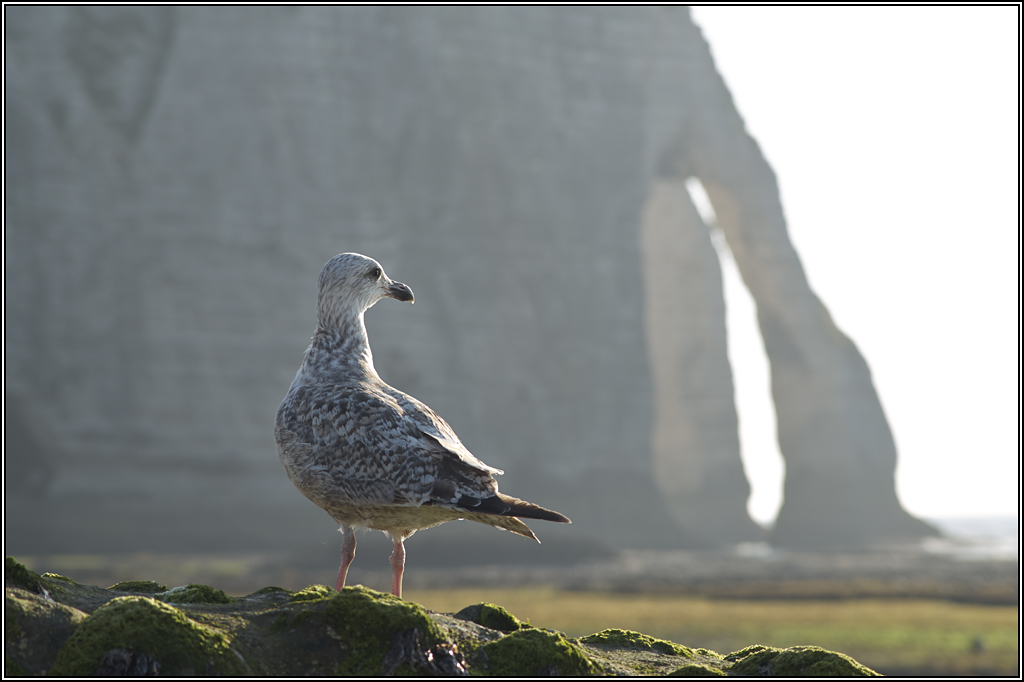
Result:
x=689 y=277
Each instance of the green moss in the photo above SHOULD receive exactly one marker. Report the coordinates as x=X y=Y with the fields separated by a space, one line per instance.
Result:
x=628 y=639
x=533 y=652
x=797 y=661
x=20 y=576
x=314 y=593
x=366 y=621
x=490 y=616
x=194 y=594
x=270 y=590
x=696 y=671
x=279 y=624
x=303 y=617
x=12 y=628
x=35 y=629
x=746 y=651
x=143 y=586
x=144 y=625
x=12 y=669
x=61 y=578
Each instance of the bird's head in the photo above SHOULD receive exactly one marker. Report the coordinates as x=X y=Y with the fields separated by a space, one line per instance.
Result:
x=350 y=283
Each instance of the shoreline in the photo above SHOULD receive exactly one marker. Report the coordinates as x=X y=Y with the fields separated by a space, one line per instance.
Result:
x=736 y=574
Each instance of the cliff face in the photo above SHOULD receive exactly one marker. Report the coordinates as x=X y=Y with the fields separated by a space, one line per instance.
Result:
x=177 y=177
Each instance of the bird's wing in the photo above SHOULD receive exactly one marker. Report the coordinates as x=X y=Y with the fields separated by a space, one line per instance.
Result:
x=432 y=425
x=323 y=483
x=461 y=480
x=377 y=448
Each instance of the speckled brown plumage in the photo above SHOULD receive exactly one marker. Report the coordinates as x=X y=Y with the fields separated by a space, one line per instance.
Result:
x=368 y=454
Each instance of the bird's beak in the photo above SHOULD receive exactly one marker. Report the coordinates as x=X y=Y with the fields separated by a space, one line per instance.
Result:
x=400 y=291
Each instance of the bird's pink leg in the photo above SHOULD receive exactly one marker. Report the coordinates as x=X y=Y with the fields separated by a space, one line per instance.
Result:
x=397 y=566
x=348 y=553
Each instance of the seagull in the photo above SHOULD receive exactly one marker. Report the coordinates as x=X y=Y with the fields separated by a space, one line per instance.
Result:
x=368 y=454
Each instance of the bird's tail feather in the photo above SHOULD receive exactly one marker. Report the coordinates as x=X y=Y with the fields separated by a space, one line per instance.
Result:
x=502 y=512
x=509 y=523
x=529 y=510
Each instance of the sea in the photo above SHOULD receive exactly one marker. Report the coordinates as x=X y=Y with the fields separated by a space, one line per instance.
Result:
x=976 y=538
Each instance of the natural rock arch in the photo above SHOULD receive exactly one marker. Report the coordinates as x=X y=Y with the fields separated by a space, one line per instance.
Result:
x=177 y=177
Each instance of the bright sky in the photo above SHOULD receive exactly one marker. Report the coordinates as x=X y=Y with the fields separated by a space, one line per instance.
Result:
x=894 y=133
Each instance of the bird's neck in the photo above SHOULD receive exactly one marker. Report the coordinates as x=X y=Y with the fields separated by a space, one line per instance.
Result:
x=342 y=346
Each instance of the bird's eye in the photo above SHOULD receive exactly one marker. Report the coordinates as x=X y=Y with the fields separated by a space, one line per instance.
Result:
x=375 y=273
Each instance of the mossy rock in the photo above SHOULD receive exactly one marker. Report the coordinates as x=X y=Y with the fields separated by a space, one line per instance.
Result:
x=138 y=586
x=313 y=593
x=273 y=589
x=490 y=616
x=19 y=576
x=797 y=661
x=194 y=594
x=367 y=623
x=35 y=629
x=320 y=632
x=634 y=653
x=746 y=651
x=58 y=577
x=697 y=671
x=628 y=639
x=146 y=626
x=533 y=652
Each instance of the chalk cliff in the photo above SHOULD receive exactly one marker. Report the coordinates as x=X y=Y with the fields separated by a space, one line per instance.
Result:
x=176 y=177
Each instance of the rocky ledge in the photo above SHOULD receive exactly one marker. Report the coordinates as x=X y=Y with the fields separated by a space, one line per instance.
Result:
x=56 y=626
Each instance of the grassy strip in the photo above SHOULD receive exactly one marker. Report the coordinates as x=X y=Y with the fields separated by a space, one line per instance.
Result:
x=911 y=636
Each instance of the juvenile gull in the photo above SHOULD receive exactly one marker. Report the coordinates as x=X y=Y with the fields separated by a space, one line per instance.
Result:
x=368 y=454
